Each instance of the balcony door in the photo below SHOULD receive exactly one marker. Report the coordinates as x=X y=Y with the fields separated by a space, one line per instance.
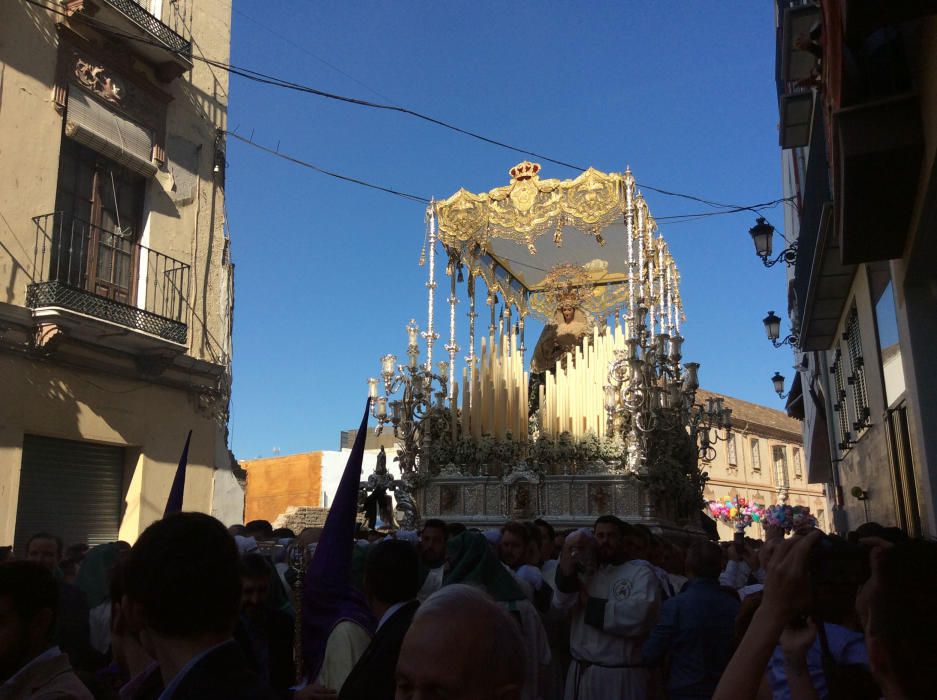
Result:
x=100 y=209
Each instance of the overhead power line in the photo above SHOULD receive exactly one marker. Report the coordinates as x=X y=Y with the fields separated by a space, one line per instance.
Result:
x=263 y=78
x=677 y=218
x=338 y=176
x=305 y=50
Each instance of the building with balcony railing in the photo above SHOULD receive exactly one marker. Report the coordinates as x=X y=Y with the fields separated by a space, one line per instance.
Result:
x=857 y=93
x=116 y=285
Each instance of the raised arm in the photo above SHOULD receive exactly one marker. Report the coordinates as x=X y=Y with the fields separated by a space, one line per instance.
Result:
x=785 y=596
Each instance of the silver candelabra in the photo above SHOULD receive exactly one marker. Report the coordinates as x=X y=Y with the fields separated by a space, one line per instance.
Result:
x=416 y=398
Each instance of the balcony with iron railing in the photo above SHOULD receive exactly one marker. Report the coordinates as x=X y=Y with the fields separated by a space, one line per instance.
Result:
x=165 y=40
x=82 y=271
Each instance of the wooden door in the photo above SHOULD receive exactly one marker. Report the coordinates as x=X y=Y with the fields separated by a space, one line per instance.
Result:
x=113 y=258
x=100 y=207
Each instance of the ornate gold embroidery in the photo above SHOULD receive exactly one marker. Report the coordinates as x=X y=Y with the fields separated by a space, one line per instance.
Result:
x=528 y=207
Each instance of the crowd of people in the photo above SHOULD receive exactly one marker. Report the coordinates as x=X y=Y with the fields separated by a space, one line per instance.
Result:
x=522 y=612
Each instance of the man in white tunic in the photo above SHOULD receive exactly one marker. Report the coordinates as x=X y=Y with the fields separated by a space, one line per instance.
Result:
x=614 y=605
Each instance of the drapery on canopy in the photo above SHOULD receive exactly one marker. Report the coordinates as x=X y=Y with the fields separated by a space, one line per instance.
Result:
x=501 y=235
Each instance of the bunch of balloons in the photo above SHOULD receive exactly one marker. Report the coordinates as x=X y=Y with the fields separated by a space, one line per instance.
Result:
x=736 y=511
x=789 y=517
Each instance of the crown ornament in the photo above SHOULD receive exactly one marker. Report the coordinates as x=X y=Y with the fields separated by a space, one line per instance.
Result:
x=524 y=171
x=567 y=286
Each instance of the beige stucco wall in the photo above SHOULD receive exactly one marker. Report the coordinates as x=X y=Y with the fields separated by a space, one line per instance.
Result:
x=30 y=135
x=184 y=218
x=49 y=400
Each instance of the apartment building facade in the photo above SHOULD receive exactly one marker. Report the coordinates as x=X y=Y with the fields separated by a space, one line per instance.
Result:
x=116 y=284
x=857 y=93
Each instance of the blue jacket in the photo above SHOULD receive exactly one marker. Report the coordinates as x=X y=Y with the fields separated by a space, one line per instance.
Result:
x=696 y=628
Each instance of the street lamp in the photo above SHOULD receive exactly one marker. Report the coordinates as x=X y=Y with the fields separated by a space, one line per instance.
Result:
x=772 y=323
x=762 y=234
x=778 y=381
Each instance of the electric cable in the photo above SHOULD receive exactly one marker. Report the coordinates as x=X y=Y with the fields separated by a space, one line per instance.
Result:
x=263 y=78
x=323 y=171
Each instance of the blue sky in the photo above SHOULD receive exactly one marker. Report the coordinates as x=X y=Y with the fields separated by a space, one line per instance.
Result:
x=327 y=272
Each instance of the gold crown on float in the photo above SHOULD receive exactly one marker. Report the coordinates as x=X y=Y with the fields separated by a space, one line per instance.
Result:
x=524 y=170
x=567 y=286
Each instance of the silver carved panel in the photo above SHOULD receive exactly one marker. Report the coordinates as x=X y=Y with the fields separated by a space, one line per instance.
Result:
x=450 y=499
x=579 y=499
x=600 y=499
x=523 y=500
x=473 y=500
x=432 y=500
x=626 y=500
x=556 y=499
x=493 y=499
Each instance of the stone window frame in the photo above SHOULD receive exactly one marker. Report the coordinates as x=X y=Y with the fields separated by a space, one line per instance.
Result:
x=781 y=471
x=141 y=101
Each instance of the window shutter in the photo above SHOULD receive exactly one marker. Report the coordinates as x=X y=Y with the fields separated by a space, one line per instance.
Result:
x=857 y=378
x=94 y=125
x=71 y=489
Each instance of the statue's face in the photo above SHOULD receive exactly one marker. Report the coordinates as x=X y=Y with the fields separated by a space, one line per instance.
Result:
x=569 y=313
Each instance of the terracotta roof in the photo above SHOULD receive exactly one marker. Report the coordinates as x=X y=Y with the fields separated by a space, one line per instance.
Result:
x=755 y=415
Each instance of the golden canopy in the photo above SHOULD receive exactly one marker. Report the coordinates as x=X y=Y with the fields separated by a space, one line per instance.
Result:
x=498 y=235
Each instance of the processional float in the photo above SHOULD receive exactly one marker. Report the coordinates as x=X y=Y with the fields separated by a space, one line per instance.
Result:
x=601 y=416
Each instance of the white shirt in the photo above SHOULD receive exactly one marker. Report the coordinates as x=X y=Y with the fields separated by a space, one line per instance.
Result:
x=347 y=642
x=432 y=583
x=390 y=611
x=171 y=687
x=49 y=653
x=549 y=572
x=735 y=575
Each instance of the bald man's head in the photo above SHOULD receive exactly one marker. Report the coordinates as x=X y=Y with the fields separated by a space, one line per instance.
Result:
x=461 y=645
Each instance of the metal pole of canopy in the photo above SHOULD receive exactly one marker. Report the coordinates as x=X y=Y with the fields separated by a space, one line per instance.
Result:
x=430 y=334
x=452 y=346
x=470 y=359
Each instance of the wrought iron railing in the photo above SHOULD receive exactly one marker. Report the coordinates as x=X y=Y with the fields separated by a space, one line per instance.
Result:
x=134 y=10
x=108 y=275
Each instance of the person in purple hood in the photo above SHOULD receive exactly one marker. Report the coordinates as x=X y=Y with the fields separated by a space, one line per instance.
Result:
x=336 y=622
